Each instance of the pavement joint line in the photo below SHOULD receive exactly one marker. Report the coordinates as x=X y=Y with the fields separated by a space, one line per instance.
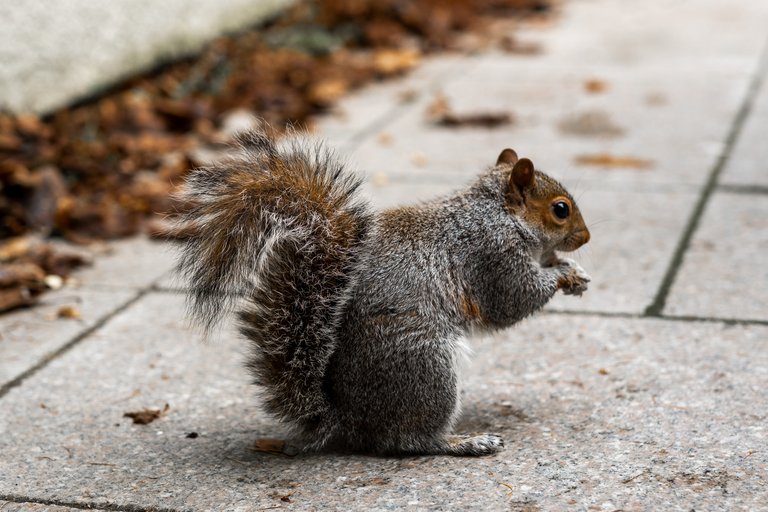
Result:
x=111 y=507
x=670 y=318
x=743 y=189
x=659 y=302
x=43 y=362
x=376 y=125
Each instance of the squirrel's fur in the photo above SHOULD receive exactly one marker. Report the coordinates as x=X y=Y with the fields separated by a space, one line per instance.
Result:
x=357 y=320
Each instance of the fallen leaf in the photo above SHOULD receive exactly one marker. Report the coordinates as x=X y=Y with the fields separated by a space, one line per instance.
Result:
x=395 y=61
x=327 y=92
x=595 y=86
x=12 y=298
x=146 y=416
x=607 y=160
x=70 y=312
x=21 y=274
x=268 y=445
x=512 y=44
x=439 y=112
x=276 y=446
x=482 y=119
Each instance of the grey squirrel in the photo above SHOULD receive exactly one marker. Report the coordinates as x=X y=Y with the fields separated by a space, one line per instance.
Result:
x=356 y=319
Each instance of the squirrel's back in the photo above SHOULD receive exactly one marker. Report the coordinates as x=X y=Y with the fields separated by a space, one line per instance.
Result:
x=276 y=234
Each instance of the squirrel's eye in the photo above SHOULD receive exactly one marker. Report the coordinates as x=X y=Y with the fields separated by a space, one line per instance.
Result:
x=561 y=210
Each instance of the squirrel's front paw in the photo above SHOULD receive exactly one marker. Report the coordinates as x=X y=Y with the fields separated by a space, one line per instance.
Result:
x=573 y=280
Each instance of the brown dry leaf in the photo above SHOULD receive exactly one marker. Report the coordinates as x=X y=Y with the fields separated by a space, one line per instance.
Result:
x=15 y=247
x=274 y=446
x=603 y=371
x=269 y=445
x=12 y=298
x=439 y=112
x=482 y=120
x=146 y=416
x=512 y=44
x=21 y=274
x=395 y=61
x=70 y=312
x=595 y=86
x=607 y=160
x=327 y=92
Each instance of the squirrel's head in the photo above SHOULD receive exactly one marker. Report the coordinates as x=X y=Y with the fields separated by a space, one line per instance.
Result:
x=543 y=204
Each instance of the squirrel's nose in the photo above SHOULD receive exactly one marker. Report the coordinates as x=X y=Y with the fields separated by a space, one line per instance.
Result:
x=586 y=236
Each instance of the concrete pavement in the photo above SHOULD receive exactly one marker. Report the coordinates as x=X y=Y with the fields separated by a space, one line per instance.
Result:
x=649 y=393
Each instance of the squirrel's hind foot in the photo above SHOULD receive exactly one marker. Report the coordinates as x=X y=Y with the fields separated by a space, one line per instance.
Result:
x=474 y=445
x=459 y=445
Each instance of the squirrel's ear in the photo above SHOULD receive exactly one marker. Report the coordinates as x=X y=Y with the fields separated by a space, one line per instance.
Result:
x=522 y=173
x=508 y=156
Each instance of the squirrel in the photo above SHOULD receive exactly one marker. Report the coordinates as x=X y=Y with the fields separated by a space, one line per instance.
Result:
x=357 y=320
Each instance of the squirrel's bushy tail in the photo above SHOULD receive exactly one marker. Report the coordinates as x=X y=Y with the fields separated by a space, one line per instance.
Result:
x=277 y=230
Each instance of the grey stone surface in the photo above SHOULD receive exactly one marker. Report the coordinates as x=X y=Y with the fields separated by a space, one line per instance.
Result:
x=543 y=93
x=672 y=36
x=29 y=336
x=748 y=165
x=597 y=413
x=131 y=263
x=724 y=273
x=52 y=53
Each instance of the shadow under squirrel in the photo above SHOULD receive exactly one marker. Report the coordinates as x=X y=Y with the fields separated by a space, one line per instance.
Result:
x=357 y=320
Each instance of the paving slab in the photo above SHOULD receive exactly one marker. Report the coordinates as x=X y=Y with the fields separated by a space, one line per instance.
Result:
x=723 y=272
x=668 y=35
x=748 y=164
x=133 y=263
x=597 y=413
x=543 y=97
x=29 y=336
